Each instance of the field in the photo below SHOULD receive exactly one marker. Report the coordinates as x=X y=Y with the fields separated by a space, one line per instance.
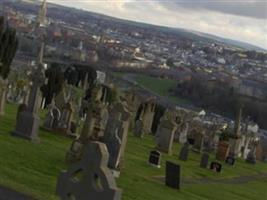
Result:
x=33 y=169
x=155 y=85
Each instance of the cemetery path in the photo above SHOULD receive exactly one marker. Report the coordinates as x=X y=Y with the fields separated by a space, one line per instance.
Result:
x=9 y=194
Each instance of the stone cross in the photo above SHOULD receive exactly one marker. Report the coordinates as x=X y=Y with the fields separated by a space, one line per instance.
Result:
x=90 y=178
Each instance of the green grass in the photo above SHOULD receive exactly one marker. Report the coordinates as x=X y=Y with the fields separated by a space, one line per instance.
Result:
x=161 y=87
x=33 y=169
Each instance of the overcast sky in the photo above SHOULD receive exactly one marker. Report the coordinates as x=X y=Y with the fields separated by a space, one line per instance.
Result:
x=244 y=20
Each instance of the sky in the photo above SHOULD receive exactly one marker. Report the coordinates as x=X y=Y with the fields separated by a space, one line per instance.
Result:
x=243 y=20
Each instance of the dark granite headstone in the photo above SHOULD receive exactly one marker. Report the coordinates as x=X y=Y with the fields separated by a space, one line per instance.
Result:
x=173 y=175
x=154 y=158
x=204 y=160
x=230 y=160
x=215 y=166
x=184 y=152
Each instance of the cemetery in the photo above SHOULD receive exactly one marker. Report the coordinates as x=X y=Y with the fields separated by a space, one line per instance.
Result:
x=75 y=134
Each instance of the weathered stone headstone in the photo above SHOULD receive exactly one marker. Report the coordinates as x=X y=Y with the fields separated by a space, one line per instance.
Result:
x=90 y=178
x=116 y=133
x=204 y=162
x=222 y=151
x=251 y=158
x=215 y=166
x=154 y=159
x=165 y=135
x=173 y=175
x=90 y=130
x=21 y=108
x=199 y=142
x=52 y=118
x=184 y=152
x=230 y=160
x=64 y=123
x=148 y=116
x=139 y=128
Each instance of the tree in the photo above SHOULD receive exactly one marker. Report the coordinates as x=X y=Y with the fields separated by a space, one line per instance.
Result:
x=8 y=47
x=55 y=82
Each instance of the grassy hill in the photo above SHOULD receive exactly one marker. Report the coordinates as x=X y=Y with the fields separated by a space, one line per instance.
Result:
x=33 y=169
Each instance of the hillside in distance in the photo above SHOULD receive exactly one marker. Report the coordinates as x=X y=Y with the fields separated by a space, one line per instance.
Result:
x=74 y=14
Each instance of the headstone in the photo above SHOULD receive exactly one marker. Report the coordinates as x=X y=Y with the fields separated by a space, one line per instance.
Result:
x=204 y=162
x=173 y=175
x=184 y=152
x=65 y=119
x=27 y=125
x=222 y=151
x=199 y=142
x=139 y=128
x=165 y=135
x=21 y=108
x=215 y=166
x=251 y=158
x=75 y=152
x=235 y=147
x=116 y=134
x=147 y=116
x=182 y=135
x=52 y=118
x=90 y=178
x=230 y=160
x=154 y=159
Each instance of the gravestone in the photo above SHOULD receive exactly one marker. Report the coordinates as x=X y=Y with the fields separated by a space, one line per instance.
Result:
x=90 y=131
x=199 y=142
x=64 y=123
x=215 y=166
x=116 y=134
x=222 y=151
x=204 y=162
x=139 y=128
x=21 y=108
x=90 y=178
x=230 y=160
x=182 y=135
x=184 y=152
x=173 y=175
x=148 y=116
x=165 y=135
x=154 y=159
x=27 y=125
x=52 y=118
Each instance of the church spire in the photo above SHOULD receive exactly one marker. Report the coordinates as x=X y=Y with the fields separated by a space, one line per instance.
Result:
x=41 y=18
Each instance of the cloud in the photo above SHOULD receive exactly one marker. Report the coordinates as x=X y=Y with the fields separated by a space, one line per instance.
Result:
x=239 y=24
x=247 y=8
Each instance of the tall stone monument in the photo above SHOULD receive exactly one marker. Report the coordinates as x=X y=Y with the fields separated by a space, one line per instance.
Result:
x=28 y=121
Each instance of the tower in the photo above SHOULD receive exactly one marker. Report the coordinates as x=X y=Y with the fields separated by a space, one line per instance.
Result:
x=41 y=18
